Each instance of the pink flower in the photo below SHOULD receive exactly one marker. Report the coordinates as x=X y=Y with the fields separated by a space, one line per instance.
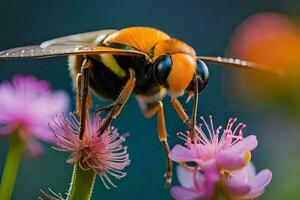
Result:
x=26 y=106
x=102 y=153
x=243 y=184
x=195 y=185
x=229 y=150
x=246 y=184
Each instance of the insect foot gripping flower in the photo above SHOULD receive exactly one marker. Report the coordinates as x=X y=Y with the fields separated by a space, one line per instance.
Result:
x=243 y=184
x=26 y=105
x=229 y=149
x=94 y=154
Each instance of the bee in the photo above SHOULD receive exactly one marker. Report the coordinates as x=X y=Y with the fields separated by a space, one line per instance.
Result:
x=113 y=64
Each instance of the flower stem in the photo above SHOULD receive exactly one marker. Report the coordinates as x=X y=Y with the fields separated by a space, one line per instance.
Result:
x=82 y=184
x=14 y=156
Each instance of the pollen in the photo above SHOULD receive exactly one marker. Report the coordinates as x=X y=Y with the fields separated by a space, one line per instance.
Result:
x=247 y=156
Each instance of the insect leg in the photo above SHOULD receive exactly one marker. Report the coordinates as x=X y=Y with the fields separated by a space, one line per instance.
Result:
x=182 y=114
x=195 y=108
x=84 y=82
x=180 y=111
x=106 y=108
x=162 y=135
x=78 y=93
x=120 y=103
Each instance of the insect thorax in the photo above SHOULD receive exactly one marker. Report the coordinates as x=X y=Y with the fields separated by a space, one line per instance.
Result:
x=110 y=73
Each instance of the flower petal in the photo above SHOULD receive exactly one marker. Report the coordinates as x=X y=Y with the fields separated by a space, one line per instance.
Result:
x=262 y=179
x=6 y=130
x=202 y=151
x=27 y=104
x=245 y=174
x=34 y=148
x=211 y=177
x=251 y=170
x=236 y=188
x=230 y=161
x=43 y=133
x=254 y=193
x=182 y=154
x=181 y=193
x=185 y=177
x=257 y=183
x=247 y=144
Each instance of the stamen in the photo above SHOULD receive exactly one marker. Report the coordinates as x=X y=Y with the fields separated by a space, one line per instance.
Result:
x=104 y=182
x=203 y=139
x=215 y=136
x=212 y=125
x=237 y=127
x=207 y=127
x=228 y=123
x=108 y=179
x=182 y=136
x=231 y=123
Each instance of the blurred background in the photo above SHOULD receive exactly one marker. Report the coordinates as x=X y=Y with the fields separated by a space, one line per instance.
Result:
x=269 y=105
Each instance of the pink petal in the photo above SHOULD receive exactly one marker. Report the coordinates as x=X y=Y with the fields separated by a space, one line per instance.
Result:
x=262 y=179
x=43 y=133
x=34 y=148
x=28 y=104
x=257 y=183
x=253 y=194
x=7 y=129
x=56 y=102
x=209 y=165
x=182 y=154
x=247 y=144
x=235 y=188
x=244 y=174
x=251 y=170
x=181 y=193
x=185 y=177
x=202 y=151
x=211 y=177
x=230 y=161
x=204 y=163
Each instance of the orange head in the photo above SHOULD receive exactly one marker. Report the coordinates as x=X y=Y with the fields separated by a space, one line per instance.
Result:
x=175 y=66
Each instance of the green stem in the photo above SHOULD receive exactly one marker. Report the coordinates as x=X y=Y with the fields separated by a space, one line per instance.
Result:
x=82 y=184
x=14 y=156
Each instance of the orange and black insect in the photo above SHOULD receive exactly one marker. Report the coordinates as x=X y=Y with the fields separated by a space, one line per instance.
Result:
x=112 y=64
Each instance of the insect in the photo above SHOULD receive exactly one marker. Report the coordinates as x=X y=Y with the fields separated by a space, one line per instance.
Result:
x=113 y=64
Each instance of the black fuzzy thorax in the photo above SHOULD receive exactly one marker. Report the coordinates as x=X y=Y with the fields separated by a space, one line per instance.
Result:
x=108 y=85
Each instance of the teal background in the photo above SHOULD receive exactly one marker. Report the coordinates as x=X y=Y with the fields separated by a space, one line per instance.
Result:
x=205 y=25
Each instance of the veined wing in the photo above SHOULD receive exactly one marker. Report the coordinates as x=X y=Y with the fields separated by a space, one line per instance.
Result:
x=81 y=39
x=77 y=44
x=55 y=50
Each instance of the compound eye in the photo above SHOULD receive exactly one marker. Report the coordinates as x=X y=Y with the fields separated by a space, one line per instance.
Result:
x=162 y=68
x=202 y=71
x=202 y=75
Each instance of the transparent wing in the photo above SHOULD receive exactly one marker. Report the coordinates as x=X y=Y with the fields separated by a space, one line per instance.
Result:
x=77 y=44
x=55 y=50
x=231 y=62
x=81 y=39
